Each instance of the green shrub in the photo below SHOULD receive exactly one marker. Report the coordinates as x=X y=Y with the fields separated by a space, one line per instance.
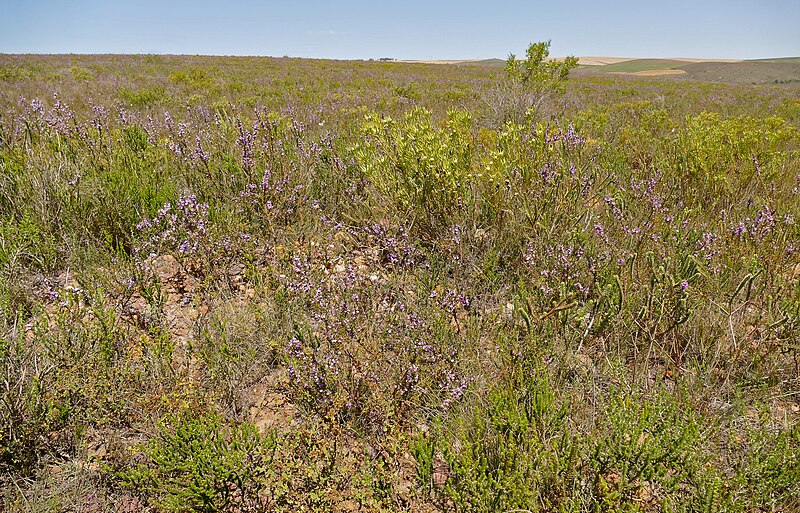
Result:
x=135 y=138
x=648 y=448
x=200 y=464
x=537 y=69
x=513 y=452
x=531 y=86
x=26 y=244
x=143 y=97
x=26 y=415
x=195 y=77
x=421 y=168
x=714 y=145
x=10 y=73
x=767 y=471
x=81 y=74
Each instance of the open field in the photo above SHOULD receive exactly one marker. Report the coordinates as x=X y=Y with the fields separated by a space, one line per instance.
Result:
x=654 y=72
x=248 y=284
x=601 y=61
x=635 y=65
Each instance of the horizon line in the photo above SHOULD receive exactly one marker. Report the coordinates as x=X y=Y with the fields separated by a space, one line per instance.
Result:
x=395 y=59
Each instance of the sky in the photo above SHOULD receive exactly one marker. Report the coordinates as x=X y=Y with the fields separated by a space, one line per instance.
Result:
x=413 y=29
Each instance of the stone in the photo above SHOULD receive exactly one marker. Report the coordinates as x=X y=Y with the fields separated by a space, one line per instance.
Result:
x=166 y=267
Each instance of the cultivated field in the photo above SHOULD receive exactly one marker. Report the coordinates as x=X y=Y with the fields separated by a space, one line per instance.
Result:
x=260 y=284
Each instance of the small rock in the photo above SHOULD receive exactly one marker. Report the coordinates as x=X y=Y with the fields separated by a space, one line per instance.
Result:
x=189 y=283
x=129 y=504
x=645 y=492
x=138 y=305
x=348 y=505
x=166 y=267
x=441 y=471
x=98 y=453
x=585 y=361
x=404 y=490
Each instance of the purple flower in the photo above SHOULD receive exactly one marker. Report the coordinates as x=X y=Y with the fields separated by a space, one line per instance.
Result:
x=601 y=232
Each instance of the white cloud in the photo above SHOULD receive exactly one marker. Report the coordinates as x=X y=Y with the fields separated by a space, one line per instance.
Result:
x=326 y=33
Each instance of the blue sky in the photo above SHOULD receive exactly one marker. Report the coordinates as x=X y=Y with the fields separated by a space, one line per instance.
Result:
x=406 y=30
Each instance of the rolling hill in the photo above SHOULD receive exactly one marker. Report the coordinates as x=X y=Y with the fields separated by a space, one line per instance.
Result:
x=779 y=70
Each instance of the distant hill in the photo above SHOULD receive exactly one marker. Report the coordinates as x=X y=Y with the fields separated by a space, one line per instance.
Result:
x=761 y=71
x=746 y=72
x=777 y=59
x=491 y=63
x=781 y=70
x=494 y=63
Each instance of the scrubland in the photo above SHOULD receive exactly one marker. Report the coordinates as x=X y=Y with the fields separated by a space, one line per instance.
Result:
x=257 y=284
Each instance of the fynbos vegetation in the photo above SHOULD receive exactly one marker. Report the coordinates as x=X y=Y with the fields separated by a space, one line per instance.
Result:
x=256 y=284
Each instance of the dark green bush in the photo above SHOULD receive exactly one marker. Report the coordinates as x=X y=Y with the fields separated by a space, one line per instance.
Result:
x=197 y=463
